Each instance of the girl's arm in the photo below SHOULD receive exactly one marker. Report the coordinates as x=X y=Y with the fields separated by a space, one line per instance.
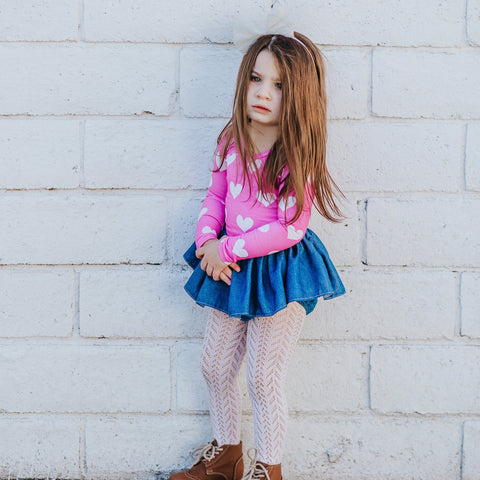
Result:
x=271 y=237
x=212 y=214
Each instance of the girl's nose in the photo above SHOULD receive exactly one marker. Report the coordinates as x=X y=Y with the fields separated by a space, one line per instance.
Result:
x=263 y=92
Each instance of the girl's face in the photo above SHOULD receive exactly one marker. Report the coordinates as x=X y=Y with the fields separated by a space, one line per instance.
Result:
x=264 y=94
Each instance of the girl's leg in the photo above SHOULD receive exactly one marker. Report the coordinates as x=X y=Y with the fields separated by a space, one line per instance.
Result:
x=270 y=343
x=223 y=350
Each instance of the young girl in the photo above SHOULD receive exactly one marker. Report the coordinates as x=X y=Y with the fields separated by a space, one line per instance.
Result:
x=255 y=262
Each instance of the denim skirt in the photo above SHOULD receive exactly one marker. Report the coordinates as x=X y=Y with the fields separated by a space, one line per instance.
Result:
x=266 y=285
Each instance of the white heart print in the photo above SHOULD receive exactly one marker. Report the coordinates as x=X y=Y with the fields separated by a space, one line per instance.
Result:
x=294 y=234
x=258 y=164
x=230 y=158
x=235 y=190
x=264 y=228
x=244 y=223
x=267 y=199
x=203 y=211
x=208 y=230
x=291 y=201
x=238 y=248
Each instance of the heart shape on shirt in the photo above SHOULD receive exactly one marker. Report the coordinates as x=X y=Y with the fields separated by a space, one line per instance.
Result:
x=264 y=228
x=244 y=223
x=207 y=229
x=235 y=190
x=294 y=234
x=238 y=248
x=258 y=164
x=203 y=211
x=267 y=199
x=230 y=158
x=291 y=201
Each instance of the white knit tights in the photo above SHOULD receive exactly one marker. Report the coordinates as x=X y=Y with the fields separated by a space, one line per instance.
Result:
x=268 y=343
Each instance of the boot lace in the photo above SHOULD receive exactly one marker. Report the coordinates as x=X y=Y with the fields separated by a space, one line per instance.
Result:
x=256 y=470
x=206 y=452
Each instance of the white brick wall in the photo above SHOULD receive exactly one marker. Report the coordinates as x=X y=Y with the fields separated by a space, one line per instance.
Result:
x=109 y=112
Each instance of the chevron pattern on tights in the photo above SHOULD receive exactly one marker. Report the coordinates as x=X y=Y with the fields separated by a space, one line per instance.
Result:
x=268 y=343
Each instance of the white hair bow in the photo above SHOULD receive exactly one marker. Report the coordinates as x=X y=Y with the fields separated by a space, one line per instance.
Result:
x=248 y=28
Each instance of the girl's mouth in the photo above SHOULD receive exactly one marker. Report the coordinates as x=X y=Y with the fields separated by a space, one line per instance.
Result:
x=261 y=108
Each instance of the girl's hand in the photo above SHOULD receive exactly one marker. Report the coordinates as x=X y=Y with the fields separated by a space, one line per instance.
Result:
x=212 y=264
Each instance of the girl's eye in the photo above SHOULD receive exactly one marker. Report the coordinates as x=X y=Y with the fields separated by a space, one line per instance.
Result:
x=278 y=85
x=254 y=78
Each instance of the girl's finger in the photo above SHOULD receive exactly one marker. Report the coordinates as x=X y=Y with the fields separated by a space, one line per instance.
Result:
x=227 y=272
x=225 y=278
x=235 y=266
x=199 y=253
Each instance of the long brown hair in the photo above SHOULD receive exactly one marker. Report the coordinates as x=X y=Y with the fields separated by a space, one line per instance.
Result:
x=301 y=145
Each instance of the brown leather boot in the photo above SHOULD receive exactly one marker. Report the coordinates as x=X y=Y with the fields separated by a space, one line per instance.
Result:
x=214 y=463
x=259 y=470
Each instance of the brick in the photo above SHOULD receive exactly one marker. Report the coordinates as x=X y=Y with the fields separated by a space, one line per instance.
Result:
x=72 y=378
x=37 y=303
x=425 y=379
x=400 y=156
x=183 y=214
x=347 y=82
x=344 y=23
x=74 y=228
x=470 y=304
x=167 y=154
x=414 y=305
x=207 y=80
x=339 y=383
x=340 y=239
x=472 y=160
x=347 y=22
x=151 y=21
x=39 y=446
x=148 y=303
x=433 y=232
x=87 y=79
x=38 y=20
x=473 y=22
x=190 y=389
x=39 y=153
x=471 y=450
x=133 y=447
x=403 y=78
x=342 y=448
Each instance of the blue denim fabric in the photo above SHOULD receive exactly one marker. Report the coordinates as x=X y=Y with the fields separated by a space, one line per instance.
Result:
x=265 y=285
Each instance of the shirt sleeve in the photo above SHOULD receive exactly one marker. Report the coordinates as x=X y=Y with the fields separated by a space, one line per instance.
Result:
x=271 y=237
x=212 y=213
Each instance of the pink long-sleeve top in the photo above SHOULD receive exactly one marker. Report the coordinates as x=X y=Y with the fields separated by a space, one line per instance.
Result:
x=256 y=224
